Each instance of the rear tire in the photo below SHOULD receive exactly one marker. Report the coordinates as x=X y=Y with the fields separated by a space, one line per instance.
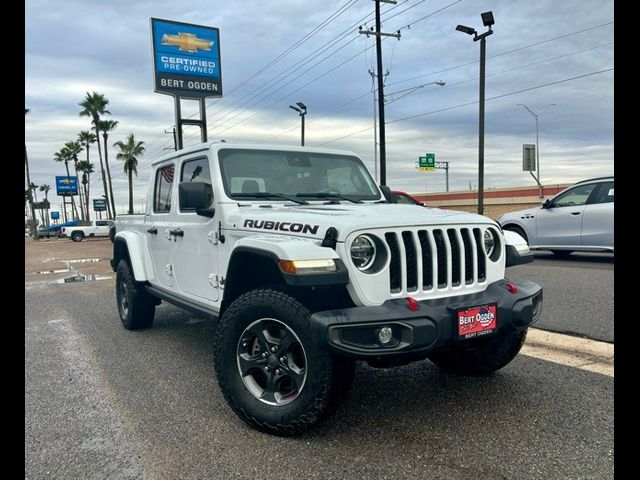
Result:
x=283 y=391
x=481 y=357
x=135 y=306
x=77 y=236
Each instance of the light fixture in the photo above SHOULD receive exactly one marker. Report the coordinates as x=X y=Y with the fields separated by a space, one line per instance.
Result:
x=467 y=30
x=487 y=19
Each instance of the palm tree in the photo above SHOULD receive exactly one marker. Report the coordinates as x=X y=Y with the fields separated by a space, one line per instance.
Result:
x=64 y=156
x=34 y=231
x=107 y=126
x=46 y=188
x=86 y=168
x=129 y=153
x=86 y=138
x=74 y=148
x=94 y=105
x=34 y=188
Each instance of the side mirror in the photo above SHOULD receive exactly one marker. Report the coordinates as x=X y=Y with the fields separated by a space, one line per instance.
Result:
x=386 y=191
x=547 y=203
x=196 y=196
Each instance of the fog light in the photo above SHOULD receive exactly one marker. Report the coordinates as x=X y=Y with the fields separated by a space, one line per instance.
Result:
x=385 y=334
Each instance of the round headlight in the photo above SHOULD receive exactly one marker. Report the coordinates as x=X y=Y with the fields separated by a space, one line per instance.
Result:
x=363 y=252
x=489 y=243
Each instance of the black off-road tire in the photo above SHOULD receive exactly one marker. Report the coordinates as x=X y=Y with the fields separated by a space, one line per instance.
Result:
x=135 y=306
x=327 y=380
x=77 y=236
x=482 y=357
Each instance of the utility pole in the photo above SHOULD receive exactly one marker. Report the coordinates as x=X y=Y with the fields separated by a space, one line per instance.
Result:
x=175 y=139
x=444 y=166
x=375 y=130
x=378 y=34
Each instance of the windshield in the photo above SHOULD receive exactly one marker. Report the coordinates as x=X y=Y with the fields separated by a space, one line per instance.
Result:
x=249 y=172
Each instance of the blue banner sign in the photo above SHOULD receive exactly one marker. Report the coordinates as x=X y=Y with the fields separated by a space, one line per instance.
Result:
x=55 y=215
x=186 y=59
x=66 y=186
x=99 y=205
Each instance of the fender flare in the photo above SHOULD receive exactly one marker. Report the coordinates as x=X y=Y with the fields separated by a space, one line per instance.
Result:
x=129 y=245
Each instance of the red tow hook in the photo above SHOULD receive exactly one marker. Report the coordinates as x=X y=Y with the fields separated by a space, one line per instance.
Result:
x=412 y=305
x=511 y=287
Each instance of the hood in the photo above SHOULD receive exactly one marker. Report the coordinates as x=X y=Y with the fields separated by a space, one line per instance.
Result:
x=312 y=221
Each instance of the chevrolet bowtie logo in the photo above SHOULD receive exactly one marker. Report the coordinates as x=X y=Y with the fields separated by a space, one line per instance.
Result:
x=187 y=42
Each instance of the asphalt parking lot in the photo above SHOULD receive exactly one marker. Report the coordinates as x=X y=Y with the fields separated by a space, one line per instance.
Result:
x=103 y=402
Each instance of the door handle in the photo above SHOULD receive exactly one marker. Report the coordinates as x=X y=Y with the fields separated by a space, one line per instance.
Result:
x=152 y=231
x=575 y=213
x=178 y=232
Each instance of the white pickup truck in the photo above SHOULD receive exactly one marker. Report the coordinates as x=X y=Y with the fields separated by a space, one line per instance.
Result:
x=307 y=266
x=98 y=228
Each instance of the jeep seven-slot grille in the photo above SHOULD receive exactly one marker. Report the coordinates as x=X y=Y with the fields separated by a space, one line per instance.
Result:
x=448 y=257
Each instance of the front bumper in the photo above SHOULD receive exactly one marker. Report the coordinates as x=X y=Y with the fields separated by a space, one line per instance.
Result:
x=353 y=332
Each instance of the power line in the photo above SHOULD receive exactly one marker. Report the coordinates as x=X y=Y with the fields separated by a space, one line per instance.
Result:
x=470 y=103
x=336 y=39
x=503 y=53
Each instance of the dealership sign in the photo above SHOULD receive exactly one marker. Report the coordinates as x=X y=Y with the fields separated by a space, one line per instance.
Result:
x=186 y=59
x=67 y=186
x=99 y=205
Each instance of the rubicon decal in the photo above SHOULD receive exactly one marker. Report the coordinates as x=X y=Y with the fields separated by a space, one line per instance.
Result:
x=282 y=226
x=477 y=321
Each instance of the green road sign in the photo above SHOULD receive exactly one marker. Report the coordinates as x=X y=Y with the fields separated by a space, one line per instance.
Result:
x=428 y=162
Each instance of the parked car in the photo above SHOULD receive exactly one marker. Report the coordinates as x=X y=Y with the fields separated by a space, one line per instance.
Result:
x=405 y=198
x=580 y=218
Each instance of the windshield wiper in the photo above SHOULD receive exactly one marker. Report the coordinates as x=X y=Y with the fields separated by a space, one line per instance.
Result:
x=327 y=195
x=271 y=195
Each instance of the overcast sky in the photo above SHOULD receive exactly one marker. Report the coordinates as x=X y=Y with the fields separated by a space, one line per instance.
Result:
x=541 y=53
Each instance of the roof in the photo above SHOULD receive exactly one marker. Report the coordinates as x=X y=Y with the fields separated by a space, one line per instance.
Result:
x=220 y=144
x=595 y=179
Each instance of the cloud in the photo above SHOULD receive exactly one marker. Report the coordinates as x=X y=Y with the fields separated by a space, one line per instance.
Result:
x=73 y=47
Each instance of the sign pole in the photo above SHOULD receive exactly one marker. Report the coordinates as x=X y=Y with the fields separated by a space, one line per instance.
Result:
x=178 y=114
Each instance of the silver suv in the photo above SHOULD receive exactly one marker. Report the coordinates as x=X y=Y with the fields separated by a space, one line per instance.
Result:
x=580 y=218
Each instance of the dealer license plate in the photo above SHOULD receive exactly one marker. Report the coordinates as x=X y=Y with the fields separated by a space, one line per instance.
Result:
x=476 y=321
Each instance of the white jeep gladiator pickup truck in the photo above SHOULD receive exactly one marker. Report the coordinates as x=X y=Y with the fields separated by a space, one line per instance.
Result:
x=307 y=266
x=98 y=228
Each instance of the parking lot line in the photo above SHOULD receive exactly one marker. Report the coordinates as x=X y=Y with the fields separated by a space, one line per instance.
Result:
x=582 y=353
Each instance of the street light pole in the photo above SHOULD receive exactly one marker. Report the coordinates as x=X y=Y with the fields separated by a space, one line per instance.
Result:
x=481 y=131
x=302 y=111
x=488 y=21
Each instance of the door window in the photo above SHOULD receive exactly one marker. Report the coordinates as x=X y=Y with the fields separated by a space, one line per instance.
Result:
x=163 y=188
x=604 y=193
x=195 y=171
x=575 y=196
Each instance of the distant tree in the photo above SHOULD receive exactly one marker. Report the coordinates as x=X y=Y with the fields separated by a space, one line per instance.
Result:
x=34 y=230
x=85 y=139
x=129 y=152
x=34 y=188
x=106 y=127
x=86 y=168
x=74 y=148
x=94 y=105
x=46 y=188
